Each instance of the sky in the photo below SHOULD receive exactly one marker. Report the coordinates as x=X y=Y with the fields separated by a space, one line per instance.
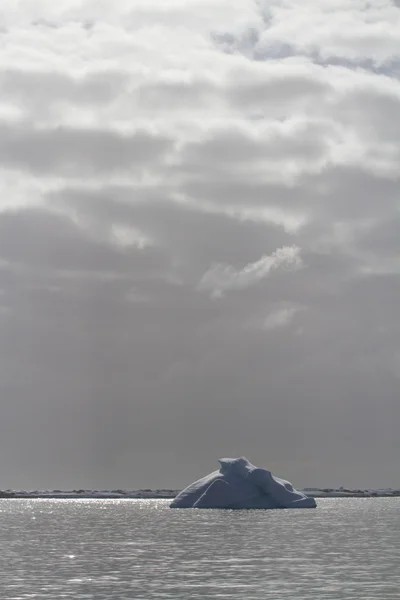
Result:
x=199 y=241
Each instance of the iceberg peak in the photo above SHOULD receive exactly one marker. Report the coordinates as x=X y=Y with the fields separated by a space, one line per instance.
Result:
x=239 y=484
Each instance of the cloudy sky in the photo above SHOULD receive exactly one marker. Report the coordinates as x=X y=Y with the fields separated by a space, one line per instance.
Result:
x=199 y=240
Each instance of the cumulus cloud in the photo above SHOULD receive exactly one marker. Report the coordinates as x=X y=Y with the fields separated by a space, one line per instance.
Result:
x=333 y=30
x=156 y=155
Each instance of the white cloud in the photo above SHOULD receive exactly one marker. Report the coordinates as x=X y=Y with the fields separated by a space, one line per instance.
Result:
x=128 y=237
x=222 y=278
x=357 y=31
x=281 y=317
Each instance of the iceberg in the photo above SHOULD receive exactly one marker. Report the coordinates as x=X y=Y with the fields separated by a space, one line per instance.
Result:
x=239 y=484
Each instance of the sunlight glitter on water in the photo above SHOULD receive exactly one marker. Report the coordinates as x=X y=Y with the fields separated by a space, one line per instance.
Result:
x=347 y=549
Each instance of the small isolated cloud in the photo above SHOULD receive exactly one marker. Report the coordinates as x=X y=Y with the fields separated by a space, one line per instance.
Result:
x=128 y=237
x=280 y=317
x=221 y=278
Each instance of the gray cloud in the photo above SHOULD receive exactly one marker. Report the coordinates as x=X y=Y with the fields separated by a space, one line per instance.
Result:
x=39 y=239
x=156 y=184
x=40 y=89
x=75 y=151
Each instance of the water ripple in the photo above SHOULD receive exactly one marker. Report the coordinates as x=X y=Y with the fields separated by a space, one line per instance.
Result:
x=140 y=549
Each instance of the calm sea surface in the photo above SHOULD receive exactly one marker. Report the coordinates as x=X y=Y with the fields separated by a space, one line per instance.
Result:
x=141 y=549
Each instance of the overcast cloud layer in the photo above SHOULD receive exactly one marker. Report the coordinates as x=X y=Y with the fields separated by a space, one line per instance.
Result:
x=199 y=240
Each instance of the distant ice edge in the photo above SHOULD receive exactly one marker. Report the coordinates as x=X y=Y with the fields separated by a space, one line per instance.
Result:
x=240 y=485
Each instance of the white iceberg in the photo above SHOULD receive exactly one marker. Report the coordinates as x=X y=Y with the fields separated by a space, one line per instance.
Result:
x=239 y=484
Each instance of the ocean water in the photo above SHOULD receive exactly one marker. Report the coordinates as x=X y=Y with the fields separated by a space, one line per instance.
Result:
x=140 y=549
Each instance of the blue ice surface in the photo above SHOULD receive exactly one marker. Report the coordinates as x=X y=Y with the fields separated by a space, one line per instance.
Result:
x=240 y=485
